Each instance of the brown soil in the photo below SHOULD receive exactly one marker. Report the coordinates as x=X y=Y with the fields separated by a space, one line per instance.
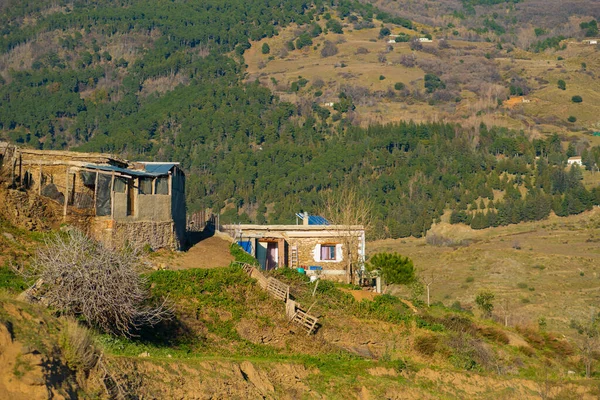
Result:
x=210 y=252
x=33 y=368
x=360 y=295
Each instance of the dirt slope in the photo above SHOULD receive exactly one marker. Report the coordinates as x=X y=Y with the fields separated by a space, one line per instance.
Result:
x=211 y=251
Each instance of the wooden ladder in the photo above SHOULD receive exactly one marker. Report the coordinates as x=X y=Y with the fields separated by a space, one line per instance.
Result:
x=294 y=257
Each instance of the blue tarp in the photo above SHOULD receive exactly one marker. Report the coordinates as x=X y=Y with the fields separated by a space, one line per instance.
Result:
x=246 y=245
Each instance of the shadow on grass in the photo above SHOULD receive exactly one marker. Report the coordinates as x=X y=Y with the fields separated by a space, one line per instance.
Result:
x=172 y=333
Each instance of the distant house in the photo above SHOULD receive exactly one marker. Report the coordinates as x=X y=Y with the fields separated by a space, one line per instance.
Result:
x=390 y=41
x=314 y=245
x=425 y=40
x=574 y=161
x=590 y=41
x=112 y=199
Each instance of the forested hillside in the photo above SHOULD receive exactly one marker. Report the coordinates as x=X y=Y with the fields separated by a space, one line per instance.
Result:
x=165 y=81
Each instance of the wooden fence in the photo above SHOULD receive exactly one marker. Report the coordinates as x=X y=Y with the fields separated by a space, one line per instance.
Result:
x=281 y=291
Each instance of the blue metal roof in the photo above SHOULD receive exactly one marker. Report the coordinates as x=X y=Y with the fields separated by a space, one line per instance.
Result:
x=131 y=172
x=159 y=168
x=314 y=219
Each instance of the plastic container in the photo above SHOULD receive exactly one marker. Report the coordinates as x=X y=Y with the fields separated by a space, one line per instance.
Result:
x=301 y=271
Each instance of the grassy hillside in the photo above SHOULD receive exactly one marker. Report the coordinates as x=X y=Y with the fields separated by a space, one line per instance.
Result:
x=176 y=81
x=228 y=330
x=230 y=338
x=537 y=270
x=478 y=77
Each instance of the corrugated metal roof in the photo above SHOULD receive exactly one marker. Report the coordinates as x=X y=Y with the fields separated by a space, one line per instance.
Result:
x=313 y=219
x=159 y=168
x=131 y=172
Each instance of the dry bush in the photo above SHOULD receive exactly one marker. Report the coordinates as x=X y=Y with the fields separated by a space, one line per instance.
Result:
x=408 y=60
x=494 y=334
x=78 y=346
x=362 y=50
x=458 y=323
x=359 y=94
x=318 y=83
x=82 y=277
x=438 y=240
x=470 y=353
x=329 y=49
x=427 y=344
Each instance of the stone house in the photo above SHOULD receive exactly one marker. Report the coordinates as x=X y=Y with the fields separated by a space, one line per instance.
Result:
x=110 y=198
x=575 y=161
x=314 y=245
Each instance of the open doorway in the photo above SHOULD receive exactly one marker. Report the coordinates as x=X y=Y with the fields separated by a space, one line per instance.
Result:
x=267 y=253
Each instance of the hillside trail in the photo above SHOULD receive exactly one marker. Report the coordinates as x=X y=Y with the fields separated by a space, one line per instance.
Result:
x=210 y=249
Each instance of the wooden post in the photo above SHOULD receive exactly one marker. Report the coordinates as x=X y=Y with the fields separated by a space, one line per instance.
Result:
x=66 y=200
x=20 y=170
x=40 y=176
x=95 y=191
x=281 y=260
x=112 y=195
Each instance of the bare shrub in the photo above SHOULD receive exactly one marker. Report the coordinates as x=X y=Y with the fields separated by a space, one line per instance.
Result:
x=408 y=61
x=426 y=344
x=283 y=53
x=381 y=57
x=416 y=45
x=362 y=50
x=435 y=239
x=83 y=278
x=329 y=49
x=432 y=66
x=444 y=95
x=363 y=25
x=431 y=50
x=318 y=83
x=444 y=44
x=469 y=352
x=359 y=94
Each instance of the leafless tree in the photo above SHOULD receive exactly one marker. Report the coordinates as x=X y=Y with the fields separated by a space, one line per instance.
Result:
x=349 y=209
x=81 y=277
x=588 y=342
x=408 y=60
x=428 y=281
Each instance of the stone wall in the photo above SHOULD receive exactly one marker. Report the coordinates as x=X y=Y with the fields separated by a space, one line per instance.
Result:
x=156 y=207
x=115 y=233
x=308 y=246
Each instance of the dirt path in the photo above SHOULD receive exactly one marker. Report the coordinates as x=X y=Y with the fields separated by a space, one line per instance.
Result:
x=360 y=295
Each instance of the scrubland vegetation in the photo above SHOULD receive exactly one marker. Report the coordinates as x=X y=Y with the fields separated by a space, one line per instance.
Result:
x=132 y=81
x=269 y=105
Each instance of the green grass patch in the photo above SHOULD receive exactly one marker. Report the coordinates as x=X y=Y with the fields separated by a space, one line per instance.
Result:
x=10 y=281
x=241 y=256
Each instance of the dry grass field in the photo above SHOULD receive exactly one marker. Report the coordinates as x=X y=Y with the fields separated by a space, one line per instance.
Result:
x=547 y=269
x=546 y=112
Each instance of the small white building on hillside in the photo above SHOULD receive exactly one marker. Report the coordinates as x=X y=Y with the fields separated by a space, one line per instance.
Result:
x=575 y=161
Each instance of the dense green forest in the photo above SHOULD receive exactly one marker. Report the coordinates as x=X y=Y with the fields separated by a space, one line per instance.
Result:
x=248 y=154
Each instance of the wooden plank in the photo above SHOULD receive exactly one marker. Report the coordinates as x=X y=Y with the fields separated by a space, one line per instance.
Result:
x=305 y=320
x=278 y=289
